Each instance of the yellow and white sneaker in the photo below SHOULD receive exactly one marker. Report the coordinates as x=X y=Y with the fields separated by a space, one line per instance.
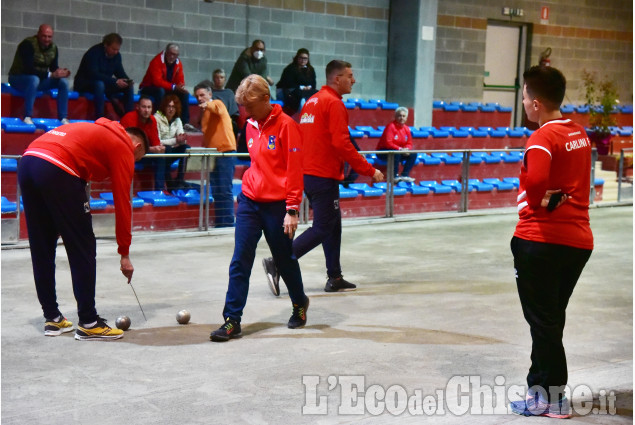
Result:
x=53 y=328
x=99 y=331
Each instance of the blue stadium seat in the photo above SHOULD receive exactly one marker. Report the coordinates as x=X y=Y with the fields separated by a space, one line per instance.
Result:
x=396 y=190
x=500 y=108
x=435 y=187
x=347 y=193
x=446 y=159
x=475 y=132
x=276 y=102
x=373 y=159
x=388 y=105
x=368 y=105
x=350 y=105
x=528 y=132
x=567 y=109
x=598 y=181
x=625 y=131
x=192 y=100
x=9 y=165
x=626 y=109
x=419 y=134
x=582 y=109
x=513 y=180
x=437 y=104
x=108 y=197
x=76 y=121
x=46 y=124
x=477 y=157
x=365 y=190
x=454 y=184
x=158 y=199
x=498 y=184
x=439 y=133
x=414 y=188
x=98 y=204
x=355 y=133
x=7 y=206
x=16 y=125
x=516 y=132
x=369 y=131
x=191 y=196
x=426 y=159
x=471 y=106
x=452 y=107
x=489 y=107
x=237 y=188
x=480 y=186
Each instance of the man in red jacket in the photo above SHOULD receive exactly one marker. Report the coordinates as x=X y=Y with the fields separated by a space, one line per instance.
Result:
x=165 y=75
x=327 y=146
x=142 y=118
x=53 y=174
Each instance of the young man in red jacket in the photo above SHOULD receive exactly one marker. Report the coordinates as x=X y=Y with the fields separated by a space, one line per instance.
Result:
x=269 y=202
x=327 y=146
x=553 y=240
x=53 y=174
x=165 y=75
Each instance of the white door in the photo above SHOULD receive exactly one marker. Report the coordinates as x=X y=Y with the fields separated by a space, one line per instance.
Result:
x=501 y=64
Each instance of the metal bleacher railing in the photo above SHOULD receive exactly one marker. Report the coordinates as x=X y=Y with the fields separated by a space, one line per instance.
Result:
x=362 y=193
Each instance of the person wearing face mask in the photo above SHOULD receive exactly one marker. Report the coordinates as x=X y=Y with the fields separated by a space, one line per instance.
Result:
x=297 y=81
x=251 y=61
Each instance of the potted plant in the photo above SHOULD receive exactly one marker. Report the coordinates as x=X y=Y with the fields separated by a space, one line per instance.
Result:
x=601 y=98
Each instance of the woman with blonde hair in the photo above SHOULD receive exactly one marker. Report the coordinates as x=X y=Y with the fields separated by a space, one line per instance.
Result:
x=269 y=202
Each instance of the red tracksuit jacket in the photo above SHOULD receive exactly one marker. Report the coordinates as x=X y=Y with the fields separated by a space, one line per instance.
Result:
x=275 y=148
x=157 y=74
x=327 y=143
x=95 y=152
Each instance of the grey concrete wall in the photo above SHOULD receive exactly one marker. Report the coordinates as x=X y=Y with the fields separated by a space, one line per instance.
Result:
x=595 y=35
x=212 y=35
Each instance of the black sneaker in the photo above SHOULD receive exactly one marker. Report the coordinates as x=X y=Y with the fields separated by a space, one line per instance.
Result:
x=273 y=277
x=298 y=317
x=229 y=330
x=338 y=284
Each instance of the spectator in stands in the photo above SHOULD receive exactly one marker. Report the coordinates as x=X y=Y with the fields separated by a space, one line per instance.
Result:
x=165 y=75
x=297 y=81
x=350 y=175
x=142 y=118
x=553 y=239
x=397 y=137
x=324 y=127
x=251 y=61
x=269 y=202
x=101 y=73
x=52 y=175
x=173 y=138
x=35 y=68
x=225 y=95
x=217 y=133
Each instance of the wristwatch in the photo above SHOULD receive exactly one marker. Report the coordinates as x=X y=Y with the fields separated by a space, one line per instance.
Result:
x=292 y=212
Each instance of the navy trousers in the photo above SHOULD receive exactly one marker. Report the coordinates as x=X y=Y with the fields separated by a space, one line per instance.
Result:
x=324 y=196
x=546 y=275
x=56 y=203
x=252 y=219
x=408 y=162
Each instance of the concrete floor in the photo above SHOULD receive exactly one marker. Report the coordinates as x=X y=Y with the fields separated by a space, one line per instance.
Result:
x=436 y=300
